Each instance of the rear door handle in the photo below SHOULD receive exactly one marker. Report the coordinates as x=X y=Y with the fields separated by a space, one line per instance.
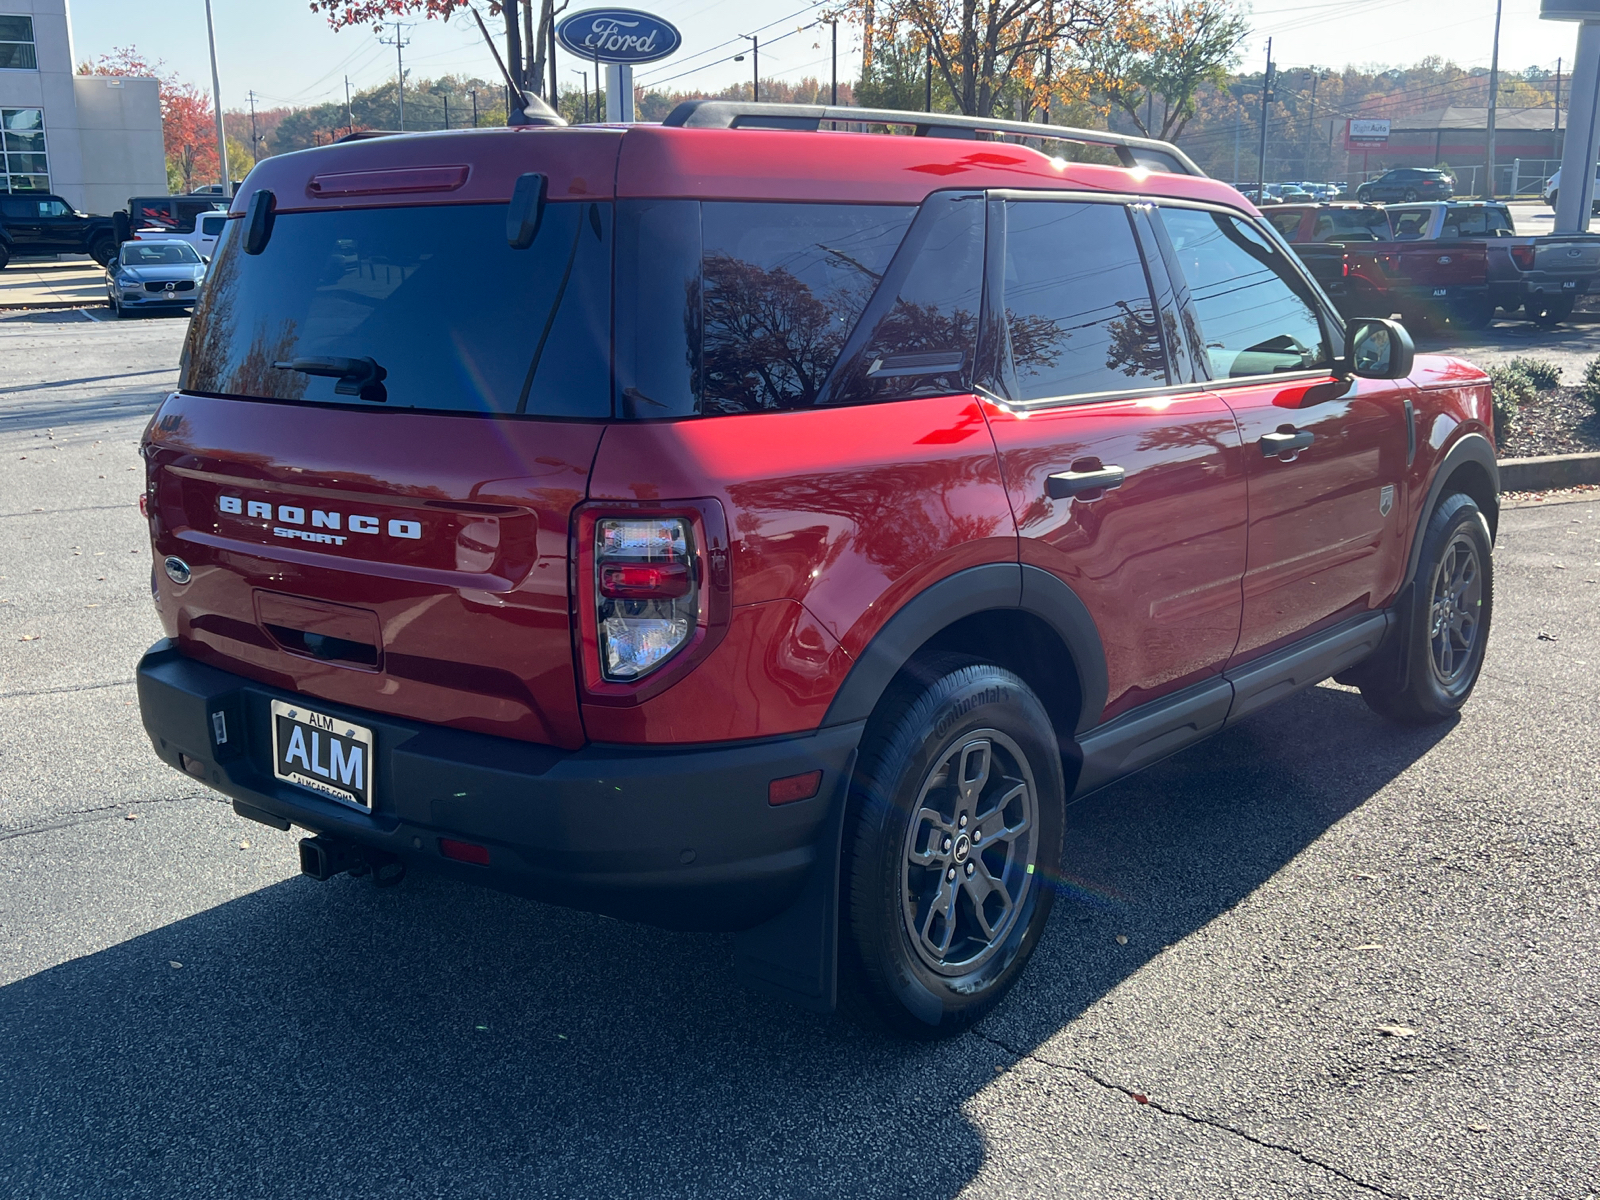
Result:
x=1287 y=441
x=1069 y=483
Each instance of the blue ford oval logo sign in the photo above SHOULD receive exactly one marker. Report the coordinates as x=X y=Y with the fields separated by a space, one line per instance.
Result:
x=618 y=35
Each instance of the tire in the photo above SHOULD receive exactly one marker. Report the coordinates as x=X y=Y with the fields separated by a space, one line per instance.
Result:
x=1451 y=604
x=1411 y=195
x=1363 y=196
x=1476 y=313
x=103 y=250
x=116 y=307
x=913 y=963
x=5 y=257
x=1553 y=196
x=1548 y=312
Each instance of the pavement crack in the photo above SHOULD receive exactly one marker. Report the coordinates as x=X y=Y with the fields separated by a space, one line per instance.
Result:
x=1209 y=1122
x=88 y=816
x=77 y=687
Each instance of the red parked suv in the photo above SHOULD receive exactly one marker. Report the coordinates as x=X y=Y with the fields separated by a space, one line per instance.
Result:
x=733 y=524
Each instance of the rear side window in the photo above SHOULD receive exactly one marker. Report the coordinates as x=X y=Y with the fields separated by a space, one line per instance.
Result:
x=1287 y=223
x=782 y=287
x=1477 y=222
x=726 y=307
x=1078 y=313
x=1253 y=310
x=1350 y=225
x=1409 y=226
x=434 y=297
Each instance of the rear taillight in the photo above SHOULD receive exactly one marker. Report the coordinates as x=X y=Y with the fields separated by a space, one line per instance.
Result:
x=1523 y=257
x=653 y=594
x=646 y=594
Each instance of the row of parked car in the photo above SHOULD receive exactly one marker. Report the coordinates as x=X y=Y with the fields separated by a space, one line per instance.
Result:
x=39 y=223
x=1400 y=185
x=1442 y=262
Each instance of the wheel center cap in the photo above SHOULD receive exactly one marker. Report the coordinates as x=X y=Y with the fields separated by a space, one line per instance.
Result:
x=963 y=848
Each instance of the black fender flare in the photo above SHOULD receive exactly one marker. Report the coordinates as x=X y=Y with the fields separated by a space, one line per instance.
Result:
x=987 y=588
x=1470 y=447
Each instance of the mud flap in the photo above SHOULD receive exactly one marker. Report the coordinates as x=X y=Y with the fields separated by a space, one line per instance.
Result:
x=794 y=956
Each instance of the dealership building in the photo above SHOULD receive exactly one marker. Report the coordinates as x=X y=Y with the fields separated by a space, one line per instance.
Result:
x=93 y=140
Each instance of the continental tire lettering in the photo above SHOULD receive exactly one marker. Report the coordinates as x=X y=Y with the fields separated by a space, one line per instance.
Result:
x=989 y=695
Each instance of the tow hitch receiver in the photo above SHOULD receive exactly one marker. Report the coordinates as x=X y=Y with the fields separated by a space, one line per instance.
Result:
x=323 y=857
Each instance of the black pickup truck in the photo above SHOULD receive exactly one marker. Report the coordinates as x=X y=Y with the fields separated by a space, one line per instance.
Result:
x=39 y=223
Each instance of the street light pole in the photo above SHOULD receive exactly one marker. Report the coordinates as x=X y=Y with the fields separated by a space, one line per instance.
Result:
x=216 y=100
x=1494 y=96
x=834 y=96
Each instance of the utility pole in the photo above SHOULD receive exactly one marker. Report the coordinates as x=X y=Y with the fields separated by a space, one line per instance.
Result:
x=447 y=110
x=255 y=142
x=216 y=100
x=1555 y=134
x=1494 y=96
x=1238 y=134
x=1311 y=119
x=1266 y=96
x=399 y=42
x=755 y=55
x=585 y=75
x=349 y=113
x=474 y=94
x=834 y=100
x=929 y=103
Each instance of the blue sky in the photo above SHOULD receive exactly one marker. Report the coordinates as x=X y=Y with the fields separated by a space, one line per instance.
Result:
x=288 y=55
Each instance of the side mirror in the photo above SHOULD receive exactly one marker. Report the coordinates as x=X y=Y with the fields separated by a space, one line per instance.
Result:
x=1379 y=349
x=205 y=258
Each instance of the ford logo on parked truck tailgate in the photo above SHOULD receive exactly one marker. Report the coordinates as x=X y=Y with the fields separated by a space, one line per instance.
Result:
x=618 y=35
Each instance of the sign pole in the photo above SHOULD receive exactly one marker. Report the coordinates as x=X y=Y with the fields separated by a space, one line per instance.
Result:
x=1575 y=200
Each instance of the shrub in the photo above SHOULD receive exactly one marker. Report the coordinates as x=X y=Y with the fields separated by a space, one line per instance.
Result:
x=1541 y=372
x=1511 y=388
x=1589 y=389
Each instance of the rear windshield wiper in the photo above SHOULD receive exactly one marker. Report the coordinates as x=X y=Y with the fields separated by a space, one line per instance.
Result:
x=357 y=376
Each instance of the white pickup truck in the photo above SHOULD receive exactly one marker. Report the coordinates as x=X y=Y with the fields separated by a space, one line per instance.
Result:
x=1542 y=275
x=203 y=237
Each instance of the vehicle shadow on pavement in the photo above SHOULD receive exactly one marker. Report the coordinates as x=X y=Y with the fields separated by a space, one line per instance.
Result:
x=432 y=1039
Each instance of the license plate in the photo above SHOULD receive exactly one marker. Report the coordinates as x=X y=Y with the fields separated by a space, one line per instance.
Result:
x=1569 y=285
x=1441 y=291
x=330 y=756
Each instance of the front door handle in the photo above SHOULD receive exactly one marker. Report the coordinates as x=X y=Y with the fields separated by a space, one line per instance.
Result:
x=1285 y=442
x=1065 y=484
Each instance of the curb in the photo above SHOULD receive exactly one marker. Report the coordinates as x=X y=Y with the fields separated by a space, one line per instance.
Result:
x=1548 y=471
x=46 y=305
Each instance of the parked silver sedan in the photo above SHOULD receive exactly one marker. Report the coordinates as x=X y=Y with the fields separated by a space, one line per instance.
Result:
x=154 y=276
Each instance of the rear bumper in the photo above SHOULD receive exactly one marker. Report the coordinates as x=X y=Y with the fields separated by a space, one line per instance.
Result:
x=682 y=837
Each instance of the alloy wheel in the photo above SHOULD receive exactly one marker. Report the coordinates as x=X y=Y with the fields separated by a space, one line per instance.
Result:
x=1455 y=610
x=969 y=852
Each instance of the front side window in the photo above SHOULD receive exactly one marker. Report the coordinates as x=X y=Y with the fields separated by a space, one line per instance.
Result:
x=24 y=165
x=1288 y=223
x=1477 y=222
x=16 y=44
x=1412 y=224
x=1078 y=313
x=1254 y=311
x=420 y=307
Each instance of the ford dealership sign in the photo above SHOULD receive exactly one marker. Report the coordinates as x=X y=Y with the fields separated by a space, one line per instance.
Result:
x=618 y=35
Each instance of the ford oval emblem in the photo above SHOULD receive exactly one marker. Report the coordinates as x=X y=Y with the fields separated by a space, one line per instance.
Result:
x=1444 y=259
x=177 y=570
x=617 y=35
x=1574 y=253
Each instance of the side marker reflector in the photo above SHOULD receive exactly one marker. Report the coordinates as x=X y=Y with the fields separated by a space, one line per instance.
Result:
x=466 y=852
x=794 y=787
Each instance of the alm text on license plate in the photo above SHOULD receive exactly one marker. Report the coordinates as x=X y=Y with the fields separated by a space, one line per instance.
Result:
x=331 y=756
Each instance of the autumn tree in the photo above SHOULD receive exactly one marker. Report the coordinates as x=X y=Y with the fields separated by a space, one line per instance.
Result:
x=1155 y=57
x=989 y=55
x=527 y=39
x=188 y=129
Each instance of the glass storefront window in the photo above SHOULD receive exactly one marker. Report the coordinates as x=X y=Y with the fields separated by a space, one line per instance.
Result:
x=24 y=165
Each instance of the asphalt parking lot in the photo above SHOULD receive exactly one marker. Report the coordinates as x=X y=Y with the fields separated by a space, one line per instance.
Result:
x=1359 y=960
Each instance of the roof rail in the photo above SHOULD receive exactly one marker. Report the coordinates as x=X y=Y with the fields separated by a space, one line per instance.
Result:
x=1132 y=152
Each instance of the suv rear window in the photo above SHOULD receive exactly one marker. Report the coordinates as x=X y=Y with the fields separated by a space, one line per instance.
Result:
x=457 y=319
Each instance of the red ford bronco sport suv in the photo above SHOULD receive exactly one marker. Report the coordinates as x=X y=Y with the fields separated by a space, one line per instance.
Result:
x=735 y=524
